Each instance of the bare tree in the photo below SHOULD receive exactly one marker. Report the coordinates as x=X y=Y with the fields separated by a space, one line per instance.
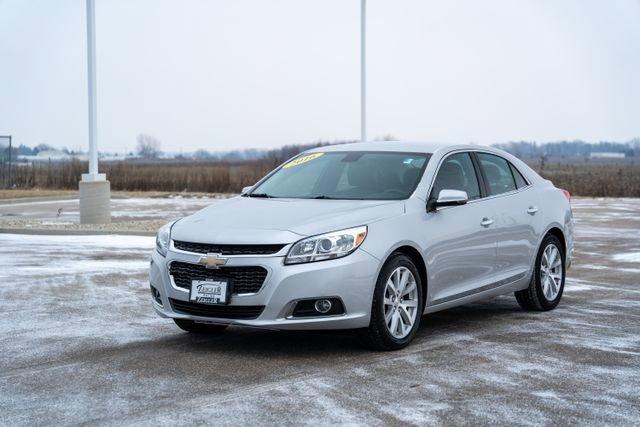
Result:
x=147 y=146
x=543 y=161
x=202 y=155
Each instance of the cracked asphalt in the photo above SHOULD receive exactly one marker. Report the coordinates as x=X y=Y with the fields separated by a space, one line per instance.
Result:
x=80 y=344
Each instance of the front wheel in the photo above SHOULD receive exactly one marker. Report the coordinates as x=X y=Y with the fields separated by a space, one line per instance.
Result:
x=199 y=328
x=546 y=286
x=397 y=305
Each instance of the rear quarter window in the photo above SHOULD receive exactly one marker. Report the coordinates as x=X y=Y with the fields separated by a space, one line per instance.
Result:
x=520 y=181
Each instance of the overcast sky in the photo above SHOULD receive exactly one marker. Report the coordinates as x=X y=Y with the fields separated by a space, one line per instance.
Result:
x=232 y=74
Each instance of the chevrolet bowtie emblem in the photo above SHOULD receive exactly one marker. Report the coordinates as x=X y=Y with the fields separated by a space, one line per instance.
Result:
x=212 y=260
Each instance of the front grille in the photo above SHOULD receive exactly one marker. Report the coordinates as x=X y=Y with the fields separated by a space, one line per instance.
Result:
x=219 y=311
x=206 y=248
x=244 y=280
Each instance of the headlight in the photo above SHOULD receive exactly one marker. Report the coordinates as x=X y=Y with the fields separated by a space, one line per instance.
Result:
x=326 y=246
x=163 y=238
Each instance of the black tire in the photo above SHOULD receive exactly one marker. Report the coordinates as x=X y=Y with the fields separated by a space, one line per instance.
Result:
x=199 y=328
x=377 y=335
x=533 y=298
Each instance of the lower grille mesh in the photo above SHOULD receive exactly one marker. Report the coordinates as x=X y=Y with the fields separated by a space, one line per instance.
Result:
x=246 y=312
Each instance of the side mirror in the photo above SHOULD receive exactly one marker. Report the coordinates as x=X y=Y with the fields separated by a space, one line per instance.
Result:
x=447 y=198
x=245 y=190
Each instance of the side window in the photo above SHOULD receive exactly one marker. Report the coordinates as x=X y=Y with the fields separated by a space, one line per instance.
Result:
x=457 y=173
x=520 y=181
x=498 y=173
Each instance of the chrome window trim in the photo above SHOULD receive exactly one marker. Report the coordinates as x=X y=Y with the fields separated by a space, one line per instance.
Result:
x=508 y=163
x=489 y=197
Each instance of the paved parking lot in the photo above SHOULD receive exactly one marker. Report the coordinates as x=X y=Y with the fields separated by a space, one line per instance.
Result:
x=80 y=344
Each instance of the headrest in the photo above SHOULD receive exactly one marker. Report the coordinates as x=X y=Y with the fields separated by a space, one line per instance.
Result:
x=451 y=177
x=360 y=174
x=492 y=172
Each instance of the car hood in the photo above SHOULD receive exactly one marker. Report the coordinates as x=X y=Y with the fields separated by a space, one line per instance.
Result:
x=246 y=220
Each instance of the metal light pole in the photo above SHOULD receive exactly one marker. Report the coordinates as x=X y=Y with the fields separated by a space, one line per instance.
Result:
x=95 y=191
x=91 y=80
x=363 y=71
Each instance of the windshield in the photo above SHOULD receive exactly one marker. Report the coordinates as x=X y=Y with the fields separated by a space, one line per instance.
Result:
x=354 y=175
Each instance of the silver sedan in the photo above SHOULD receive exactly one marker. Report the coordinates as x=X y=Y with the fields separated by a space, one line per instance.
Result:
x=370 y=237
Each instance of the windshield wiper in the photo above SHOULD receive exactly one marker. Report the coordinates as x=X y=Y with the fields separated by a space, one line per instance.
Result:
x=323 y=197
x=262 y=195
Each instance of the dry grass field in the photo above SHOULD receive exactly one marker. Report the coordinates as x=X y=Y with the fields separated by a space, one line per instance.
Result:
x=582 y=177
x=158 y=175
x=590 y=177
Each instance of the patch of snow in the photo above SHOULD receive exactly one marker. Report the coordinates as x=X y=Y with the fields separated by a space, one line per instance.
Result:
x=574 y=287
x=41 y=202
x=628 y=257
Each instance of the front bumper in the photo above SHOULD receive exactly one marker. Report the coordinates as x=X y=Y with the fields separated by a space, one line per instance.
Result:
x=352 y=279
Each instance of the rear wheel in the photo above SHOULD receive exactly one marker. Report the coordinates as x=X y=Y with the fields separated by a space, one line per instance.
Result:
x=199 y=328
x=396 y=309
x=545 y=290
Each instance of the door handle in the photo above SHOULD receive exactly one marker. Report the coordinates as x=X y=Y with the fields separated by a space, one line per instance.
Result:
x=532 y=210
x=486 y=222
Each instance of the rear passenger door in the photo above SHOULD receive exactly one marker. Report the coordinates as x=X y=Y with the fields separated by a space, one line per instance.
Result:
x=515 y=205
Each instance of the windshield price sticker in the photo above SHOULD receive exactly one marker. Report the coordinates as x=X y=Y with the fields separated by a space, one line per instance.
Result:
x=303 y=159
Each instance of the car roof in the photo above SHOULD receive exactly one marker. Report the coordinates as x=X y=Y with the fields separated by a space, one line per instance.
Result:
x=396 y=146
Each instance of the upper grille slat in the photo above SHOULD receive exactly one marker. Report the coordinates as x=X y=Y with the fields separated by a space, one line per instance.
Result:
x=207 y=248
x=244 y=280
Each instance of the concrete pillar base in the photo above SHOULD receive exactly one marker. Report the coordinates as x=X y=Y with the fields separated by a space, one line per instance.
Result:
x=95 y=202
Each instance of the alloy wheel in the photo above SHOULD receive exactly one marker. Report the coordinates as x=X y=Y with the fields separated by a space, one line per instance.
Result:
x=400 y=302
x=551 y=272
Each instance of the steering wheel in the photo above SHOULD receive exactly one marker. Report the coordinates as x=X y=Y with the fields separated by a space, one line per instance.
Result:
x=394 y=191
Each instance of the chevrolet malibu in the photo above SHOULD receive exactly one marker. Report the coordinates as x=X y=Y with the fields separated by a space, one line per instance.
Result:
x=369 y=237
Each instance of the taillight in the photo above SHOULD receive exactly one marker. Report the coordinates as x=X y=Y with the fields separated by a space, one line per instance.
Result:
x=566 y=194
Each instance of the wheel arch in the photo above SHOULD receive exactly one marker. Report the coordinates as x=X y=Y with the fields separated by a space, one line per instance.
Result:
x=414 y=253
x=557 y=232
x=553 y=229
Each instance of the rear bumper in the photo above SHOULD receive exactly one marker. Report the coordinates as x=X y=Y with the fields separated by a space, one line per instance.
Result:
x=352 y=279
x=569 y=238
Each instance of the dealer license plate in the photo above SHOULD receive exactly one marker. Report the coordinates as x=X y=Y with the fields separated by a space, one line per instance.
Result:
x=209 y=291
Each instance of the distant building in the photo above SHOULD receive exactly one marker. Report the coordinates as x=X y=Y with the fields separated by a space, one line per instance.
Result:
x=54 y=156
x=606 y=155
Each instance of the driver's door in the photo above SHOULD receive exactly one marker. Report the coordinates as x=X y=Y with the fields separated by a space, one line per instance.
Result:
x=461 y=258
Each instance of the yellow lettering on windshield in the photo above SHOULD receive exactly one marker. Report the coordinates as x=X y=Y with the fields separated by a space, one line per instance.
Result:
x=301 y=160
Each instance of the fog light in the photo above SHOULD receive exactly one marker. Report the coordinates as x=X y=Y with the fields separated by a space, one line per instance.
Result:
x=323 y=306
x=156 y=295
x=318 y=307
